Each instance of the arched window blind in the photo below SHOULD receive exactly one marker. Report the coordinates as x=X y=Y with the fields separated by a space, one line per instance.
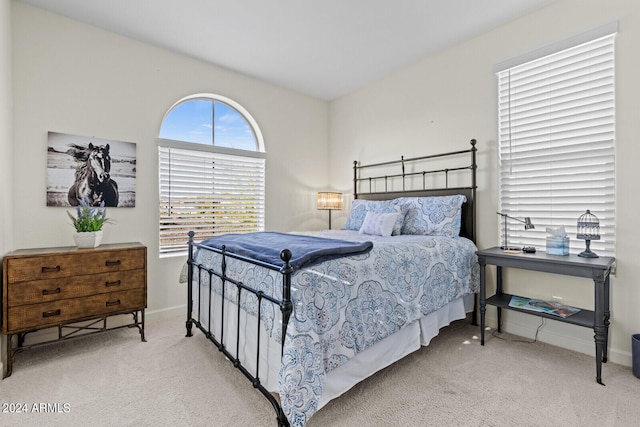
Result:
x=557 y=143
x=206 y=183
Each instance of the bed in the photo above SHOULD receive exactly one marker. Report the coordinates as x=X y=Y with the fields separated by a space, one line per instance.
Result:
x=306 y=316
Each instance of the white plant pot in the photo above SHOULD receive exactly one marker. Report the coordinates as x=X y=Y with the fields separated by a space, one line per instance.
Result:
x=88 y=239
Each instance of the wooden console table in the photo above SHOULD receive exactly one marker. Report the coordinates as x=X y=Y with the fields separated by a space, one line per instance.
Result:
x=597 y=269
x=65 y=287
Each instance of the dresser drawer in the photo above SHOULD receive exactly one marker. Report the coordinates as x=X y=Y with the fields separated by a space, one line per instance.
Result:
x=51 y=266
x=48 y=290
x=35 y=316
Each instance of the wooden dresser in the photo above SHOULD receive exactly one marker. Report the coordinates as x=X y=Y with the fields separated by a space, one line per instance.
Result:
x=67 y=288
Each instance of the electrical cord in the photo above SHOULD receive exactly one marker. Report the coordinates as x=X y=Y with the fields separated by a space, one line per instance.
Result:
x=535 y=338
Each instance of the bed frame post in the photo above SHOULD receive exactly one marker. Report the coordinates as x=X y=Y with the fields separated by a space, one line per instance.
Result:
x=403 y=175
x=287 y=306
x=474 y=167
x=355 y=179
x=189 y=322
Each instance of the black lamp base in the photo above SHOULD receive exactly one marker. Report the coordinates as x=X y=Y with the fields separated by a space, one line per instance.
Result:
x=587 y=252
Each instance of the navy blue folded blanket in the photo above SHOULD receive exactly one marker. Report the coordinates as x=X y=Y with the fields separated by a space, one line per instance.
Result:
x=305 y=250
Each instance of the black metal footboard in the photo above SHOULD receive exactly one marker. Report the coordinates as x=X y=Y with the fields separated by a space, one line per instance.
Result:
x=285 y=305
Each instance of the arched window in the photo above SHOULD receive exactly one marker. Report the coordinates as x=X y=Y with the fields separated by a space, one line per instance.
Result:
x=212 y=171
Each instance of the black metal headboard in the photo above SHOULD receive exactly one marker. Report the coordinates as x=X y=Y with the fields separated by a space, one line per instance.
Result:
x=418 y=181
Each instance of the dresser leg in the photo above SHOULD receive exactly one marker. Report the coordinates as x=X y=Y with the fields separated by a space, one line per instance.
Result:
x=142 y=330
x=9 y=356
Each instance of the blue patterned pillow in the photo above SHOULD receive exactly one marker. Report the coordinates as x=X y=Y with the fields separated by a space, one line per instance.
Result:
x=360 y=207
x=433 y=216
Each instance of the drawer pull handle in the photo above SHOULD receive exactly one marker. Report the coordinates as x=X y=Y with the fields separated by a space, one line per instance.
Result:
x=51 y=313
x=50 y=292
x=116 y=283
x=112 y=303
x=50 y=269
x=112 y=263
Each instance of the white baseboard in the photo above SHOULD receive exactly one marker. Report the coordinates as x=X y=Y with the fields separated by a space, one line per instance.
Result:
x=166 y=313
x=562 y=335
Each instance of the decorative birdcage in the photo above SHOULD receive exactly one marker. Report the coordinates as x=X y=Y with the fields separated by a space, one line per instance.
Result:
x=588 y=230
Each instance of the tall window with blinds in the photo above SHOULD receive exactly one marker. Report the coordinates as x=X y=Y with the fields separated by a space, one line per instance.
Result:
x=211 y=173
x=556 y=143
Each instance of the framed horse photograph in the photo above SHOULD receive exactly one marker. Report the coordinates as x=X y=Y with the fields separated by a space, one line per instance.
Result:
x=99 y=171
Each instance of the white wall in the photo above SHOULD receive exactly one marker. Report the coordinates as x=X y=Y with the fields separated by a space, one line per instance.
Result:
x=6 y=134
x=73 y=78
x=448 y=98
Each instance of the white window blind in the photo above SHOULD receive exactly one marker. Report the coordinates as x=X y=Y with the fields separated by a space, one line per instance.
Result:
x=556 y=144
x=210 y=193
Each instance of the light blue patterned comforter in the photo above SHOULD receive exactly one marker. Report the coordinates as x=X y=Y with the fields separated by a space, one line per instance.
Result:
x=343 y=306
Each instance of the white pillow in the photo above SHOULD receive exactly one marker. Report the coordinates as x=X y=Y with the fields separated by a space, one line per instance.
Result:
x=378 y=224
x=360 y=207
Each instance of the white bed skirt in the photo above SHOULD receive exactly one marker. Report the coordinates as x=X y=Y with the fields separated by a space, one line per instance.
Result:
x=341 y=379
x=393 y=348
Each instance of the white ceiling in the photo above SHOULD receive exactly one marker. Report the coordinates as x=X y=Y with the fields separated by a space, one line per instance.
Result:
x=322 y=48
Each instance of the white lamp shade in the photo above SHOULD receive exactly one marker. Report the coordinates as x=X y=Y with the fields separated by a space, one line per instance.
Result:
x=329 y=200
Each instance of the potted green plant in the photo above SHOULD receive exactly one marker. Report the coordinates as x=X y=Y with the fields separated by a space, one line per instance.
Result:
x=88 y=223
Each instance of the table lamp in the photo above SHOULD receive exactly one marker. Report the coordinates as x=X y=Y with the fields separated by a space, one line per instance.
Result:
x=527 y=226
x=330 y=201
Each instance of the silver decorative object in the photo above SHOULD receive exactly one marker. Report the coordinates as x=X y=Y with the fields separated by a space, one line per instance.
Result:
x=588 y=230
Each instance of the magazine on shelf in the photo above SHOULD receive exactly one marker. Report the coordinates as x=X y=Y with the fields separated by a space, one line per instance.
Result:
x=550 y=307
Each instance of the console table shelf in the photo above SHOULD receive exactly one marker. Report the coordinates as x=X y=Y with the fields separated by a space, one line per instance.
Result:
x=596 y=269
x=582 y=318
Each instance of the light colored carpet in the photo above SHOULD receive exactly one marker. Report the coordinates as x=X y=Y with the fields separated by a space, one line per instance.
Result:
x=116 y=380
